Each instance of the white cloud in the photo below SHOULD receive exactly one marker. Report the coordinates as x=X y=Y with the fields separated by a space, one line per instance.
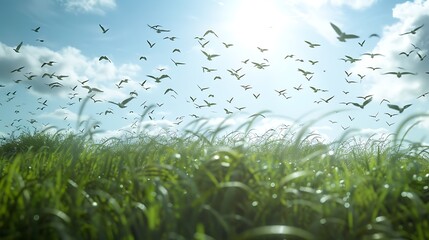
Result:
x=91 y=6
x=355 y=4
x=70 y=62
x=410 y=15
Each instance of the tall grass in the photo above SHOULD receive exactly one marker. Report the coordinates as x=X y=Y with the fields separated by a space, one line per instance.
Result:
x=207 y=185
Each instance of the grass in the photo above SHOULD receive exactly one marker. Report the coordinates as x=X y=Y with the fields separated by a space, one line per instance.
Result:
x=200 y=185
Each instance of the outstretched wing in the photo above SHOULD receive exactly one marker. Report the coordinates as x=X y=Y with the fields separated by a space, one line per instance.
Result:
x=337 y=29
x=394 y=107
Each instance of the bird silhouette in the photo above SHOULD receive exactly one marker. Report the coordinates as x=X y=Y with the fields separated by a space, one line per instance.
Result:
x=104 y=30
x=36 y=29
x=399 y=74
x=414 y=31
x=312 y=45
x=150 y=44
x=104 y=58
x=362 y=106
x=158 y=79
x=123 y=103
x=16 y=49
x=342 y=36
x=210 y=56
x=397 y=108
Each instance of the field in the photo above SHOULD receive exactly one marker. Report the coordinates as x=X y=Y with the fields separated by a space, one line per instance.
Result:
x=203 y=184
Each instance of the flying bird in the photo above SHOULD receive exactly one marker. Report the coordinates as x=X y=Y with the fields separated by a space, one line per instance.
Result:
x=361 y=105
x=104 y=30
x=17 y=69
x=123 y=103
x=414 y=31
x=209 y=32
x=104 y=58
x=177 y=63
x=18 y=47
x=150 y=44
x=342 y=36
x=312 y=45
x=36 y=29
x=158 y=79
x=399 y=74
x=210 y=56
x=397 y=108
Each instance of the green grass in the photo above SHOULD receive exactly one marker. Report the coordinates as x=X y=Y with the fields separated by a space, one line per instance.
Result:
x=200 y=185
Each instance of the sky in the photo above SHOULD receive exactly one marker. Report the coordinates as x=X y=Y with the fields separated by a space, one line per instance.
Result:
x=94 y=65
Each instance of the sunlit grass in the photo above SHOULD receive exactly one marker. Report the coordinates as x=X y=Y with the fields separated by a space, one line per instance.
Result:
x=207 y=185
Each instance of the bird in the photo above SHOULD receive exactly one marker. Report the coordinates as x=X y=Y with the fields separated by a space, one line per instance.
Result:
x=227 y=45
x=406 y=54
x=92 y=89
x=399 y=109
x=227 y=111
x=104 y=58
x=18 y=47
x=305 y=73
x=363 y=104
x=203 y=44
x=399 y=74
x=317 y=89
x=327 y=100
x=361 y=43
x=414 y=31
x=209 y=32
x=374 y=68
x=372 y=55
x=158 y=79
x=423 y=95
x=104 y=30
x=177 y=63
x=312 y=45
x=420 y=56
x=202 y=88
x=262 y=49
x=342 y=36
x=123 y=103
x=143 y=58
x=170 y=90
x=17 y=69
x=150 y=44
x=36 y=29
x=50 y=63
x=210 y=56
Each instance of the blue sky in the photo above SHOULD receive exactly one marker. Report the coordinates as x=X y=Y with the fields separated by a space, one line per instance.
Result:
x=262 y=32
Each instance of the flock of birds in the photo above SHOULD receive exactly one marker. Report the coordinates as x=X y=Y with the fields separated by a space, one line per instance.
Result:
x=78 y=90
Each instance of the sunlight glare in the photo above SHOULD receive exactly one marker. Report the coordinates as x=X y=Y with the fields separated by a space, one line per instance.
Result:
x=258 y=23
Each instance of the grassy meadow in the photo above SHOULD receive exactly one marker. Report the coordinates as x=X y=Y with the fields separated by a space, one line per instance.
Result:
x=203 y=184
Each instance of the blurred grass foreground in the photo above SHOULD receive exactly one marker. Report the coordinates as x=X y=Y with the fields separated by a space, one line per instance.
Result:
x=204 y=185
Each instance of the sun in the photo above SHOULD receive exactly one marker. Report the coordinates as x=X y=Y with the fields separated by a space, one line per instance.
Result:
x=258 y=23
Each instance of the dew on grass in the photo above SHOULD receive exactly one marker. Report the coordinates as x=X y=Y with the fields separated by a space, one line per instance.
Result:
x=274 y=196
x=225 y=164
x=36 y=217
x=426 y=188
x=94 y=204
x=323 y=221
x=386 y=186
x=346 y=205
x=272 y=184
x=177 y=156
x=407 y=195
x=255 y=203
